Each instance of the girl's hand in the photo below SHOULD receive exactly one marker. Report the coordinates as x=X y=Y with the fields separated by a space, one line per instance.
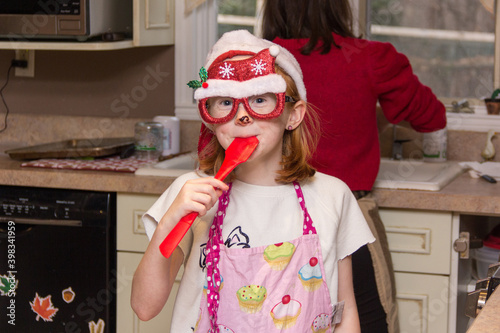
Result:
x=197 y=195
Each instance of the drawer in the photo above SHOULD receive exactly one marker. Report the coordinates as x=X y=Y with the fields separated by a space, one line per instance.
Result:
x=131 y=235
x=419 y=241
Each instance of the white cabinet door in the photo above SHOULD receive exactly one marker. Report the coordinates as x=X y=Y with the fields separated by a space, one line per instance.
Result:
x=153 y=22
x=422 y=302
x=131 y=235
x=131 y=244
x=126 y=319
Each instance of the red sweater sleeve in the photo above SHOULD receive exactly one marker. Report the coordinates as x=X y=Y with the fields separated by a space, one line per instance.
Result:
x=400 y=93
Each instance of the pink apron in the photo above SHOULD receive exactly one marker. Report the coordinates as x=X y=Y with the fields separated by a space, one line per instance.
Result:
x=275 y=288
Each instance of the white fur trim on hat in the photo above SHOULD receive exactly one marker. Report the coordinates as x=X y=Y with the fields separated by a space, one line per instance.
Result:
x=242 y=40
x=273 y=83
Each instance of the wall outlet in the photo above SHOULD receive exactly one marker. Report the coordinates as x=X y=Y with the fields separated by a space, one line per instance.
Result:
x=29 y=57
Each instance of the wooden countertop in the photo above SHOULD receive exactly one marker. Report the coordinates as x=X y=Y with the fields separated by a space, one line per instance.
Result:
x=488 y=320
x=463 y=195
x=11 y=173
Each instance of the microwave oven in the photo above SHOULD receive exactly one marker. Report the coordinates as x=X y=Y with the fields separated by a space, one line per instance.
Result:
x=70 y=19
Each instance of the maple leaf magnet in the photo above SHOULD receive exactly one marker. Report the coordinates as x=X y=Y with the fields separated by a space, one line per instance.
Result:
x=8 y=286
x=43 y=307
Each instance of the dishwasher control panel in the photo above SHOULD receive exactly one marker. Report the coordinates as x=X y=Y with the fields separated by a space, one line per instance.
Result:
x=52 y=204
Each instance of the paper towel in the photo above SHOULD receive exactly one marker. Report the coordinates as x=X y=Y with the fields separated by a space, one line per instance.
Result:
x=477 y=169
x=171 y=134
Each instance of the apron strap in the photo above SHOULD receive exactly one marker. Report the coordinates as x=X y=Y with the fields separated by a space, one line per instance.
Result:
x=212 y=261
x=308 y=223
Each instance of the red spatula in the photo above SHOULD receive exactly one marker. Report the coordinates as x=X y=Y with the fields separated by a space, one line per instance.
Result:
x=238 y=152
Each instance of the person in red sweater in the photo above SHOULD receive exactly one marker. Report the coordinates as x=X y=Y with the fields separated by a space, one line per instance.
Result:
x=345 y=77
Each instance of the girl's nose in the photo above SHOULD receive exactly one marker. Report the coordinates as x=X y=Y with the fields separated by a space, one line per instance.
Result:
x=242 y=117
x=244 y=120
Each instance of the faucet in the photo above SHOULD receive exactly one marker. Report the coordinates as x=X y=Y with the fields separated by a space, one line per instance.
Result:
x=397 y=145
x=461 y=107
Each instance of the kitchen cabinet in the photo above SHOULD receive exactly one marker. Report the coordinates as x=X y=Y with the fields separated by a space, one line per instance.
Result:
x=153 y=24
x=131 y=244
x=420 y=304
x=420 y=243
x=126 y=320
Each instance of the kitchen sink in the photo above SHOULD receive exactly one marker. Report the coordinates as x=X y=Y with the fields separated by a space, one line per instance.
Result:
x=416 y=174
x=403 y=174
x=173 y=167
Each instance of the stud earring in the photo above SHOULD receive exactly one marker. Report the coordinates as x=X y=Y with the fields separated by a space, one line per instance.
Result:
x=290 y=127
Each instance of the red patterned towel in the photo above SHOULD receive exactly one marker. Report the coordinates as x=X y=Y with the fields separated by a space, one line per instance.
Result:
x=113 y=163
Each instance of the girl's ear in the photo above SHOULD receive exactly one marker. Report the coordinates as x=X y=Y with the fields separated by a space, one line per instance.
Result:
x=296 y=115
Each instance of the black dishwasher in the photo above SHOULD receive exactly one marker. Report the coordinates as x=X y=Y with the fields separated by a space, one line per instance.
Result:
x=57 y=260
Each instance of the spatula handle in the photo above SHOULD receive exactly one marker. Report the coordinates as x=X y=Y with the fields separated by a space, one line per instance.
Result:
x=174 y=237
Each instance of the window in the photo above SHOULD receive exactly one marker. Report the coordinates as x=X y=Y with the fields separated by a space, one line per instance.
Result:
x=238 y=14
x=450 y=43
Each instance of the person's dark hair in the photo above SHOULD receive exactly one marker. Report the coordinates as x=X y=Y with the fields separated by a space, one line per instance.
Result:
x=313 y=19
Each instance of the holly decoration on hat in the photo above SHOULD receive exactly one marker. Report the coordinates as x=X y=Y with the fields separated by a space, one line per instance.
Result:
x=203 y=80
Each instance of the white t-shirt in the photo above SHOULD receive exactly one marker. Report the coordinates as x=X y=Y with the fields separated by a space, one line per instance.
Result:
x=263 y=215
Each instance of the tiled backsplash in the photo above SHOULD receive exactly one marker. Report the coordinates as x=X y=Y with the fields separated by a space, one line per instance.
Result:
x=190 y=131
x=29 y=129
x=462 y=145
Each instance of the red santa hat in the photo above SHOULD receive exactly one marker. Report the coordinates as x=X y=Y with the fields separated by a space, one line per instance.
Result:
x=248 y=77
x=254 y=75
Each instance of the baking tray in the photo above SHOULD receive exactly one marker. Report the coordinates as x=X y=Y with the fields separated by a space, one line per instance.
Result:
x=73 y=148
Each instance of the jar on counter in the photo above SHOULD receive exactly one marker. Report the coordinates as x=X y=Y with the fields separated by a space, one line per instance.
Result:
x=435 y=145
x=171 y=134
x=148 y=140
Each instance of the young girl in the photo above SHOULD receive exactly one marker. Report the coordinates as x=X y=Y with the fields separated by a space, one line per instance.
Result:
x=271 y=249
